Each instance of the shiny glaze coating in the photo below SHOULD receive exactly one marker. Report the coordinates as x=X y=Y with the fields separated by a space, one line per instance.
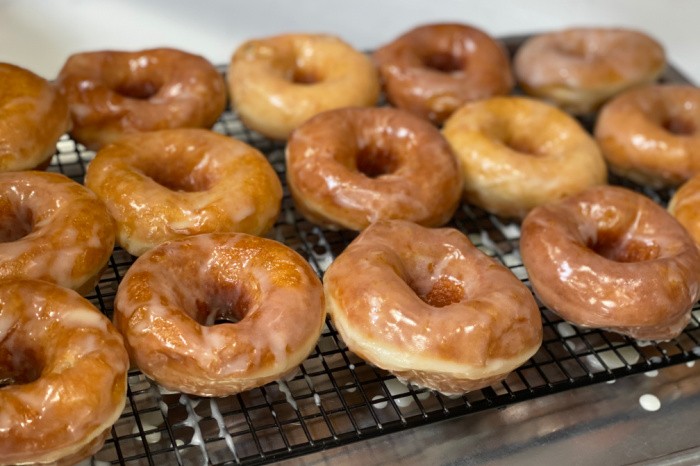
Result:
x=350 y=167
x=111 y=93
x=611 y=258
x=62 y=375
x=430 y=307
x=53 y=229
x=432 y=70
x=33 y=115
x=173 y=183
x=685 y=206
x=518 y=153
x=170 y=299
x=580 y=68
x=276 y=83
x=651 y=134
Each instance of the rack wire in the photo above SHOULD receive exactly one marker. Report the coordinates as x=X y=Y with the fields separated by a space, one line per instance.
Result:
x=336 y=398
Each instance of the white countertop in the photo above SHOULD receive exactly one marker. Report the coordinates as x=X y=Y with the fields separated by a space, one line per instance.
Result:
x=41 y=34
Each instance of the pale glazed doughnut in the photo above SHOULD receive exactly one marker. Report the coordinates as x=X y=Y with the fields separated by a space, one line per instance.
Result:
x=350 y=167
x=685 y=206
x=276 y=83
x=169 y=184
x=170 y=299
x=650 y=134
x=62 y=375
x=53 y=229
x=518 y=153
x=111 y=93
x=433 y=69
x=580 y=68
x=33 y=115
x=611 y=258
x=428 y=306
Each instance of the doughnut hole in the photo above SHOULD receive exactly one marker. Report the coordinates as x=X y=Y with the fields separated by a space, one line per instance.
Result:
x=444 y=291
x=575 y=48
x=444 y=62
x=178 y=175
x=305 y=76
x=217 y=304
x=137 y=89
x=15 y=224
x=522 y=144
x=679 y=126
x=19 y=363
x=374 y=162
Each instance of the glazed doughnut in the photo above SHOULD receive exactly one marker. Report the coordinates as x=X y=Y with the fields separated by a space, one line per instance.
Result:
x=611 y=258
x=350 y=167
x=685 y=206
x=580 y=68
x=33 y=115
x=62 y=375
x=518 y=153
x=173 y=183
x=432 y=70
x=168 y=305
x=428 y=306
x=277 y=83
x=111 y=93
x=650 y=134
x=53 y=229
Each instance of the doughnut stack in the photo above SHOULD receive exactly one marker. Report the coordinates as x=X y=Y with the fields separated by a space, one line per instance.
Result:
x=206 y=307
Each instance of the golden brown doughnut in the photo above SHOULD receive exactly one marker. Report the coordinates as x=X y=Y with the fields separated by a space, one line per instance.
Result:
x=276 y=83
x=350 y=167
x=169 y=184
x=170 y=300
x=611 y=258
x=518 y=153
x=580 y=68
x=53 y=229
x=33 y=115
x=650 y=134
x=428 y=306
x=685 y=206
x=62 y=375
x=111 y=93
x=432 y=70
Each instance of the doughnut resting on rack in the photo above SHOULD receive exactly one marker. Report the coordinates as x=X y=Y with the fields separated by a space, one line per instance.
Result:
x=169 y=184
x=63 y=372
x=217 y=314
x=429 y=307
x=613 y=259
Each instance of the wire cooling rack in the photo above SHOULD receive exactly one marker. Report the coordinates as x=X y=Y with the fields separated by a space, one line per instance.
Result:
x=336 y=398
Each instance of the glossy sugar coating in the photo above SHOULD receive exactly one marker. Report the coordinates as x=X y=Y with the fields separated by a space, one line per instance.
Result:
x=170 y=184
x=650 y=134
x=63 y=368
x=685 y=206
x=350 y=167
x=611 y=258
x=53 y=229
x=33 y=115
x=580 y=68
x=170 y=299
x=276 y=83
x=428 y=306
x=112 y=93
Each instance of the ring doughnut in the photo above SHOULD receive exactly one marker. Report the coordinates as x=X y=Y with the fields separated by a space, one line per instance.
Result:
x=33 y=115
x=62 y=375
x=611 y=258
x=168 y=305
x=432 y=70
x=277 y=83
x=517 y=153
x=580 y=68
x=685 y=206
x=350 y=167
x=428 y=306
x=111 y=93
x=651 y=134
x=169 y=184
x=53 y=229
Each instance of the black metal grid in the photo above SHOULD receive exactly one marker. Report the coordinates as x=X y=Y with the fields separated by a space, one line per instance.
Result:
x=336 y=397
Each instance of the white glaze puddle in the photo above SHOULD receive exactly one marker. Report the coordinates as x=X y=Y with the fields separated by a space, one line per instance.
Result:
x=193 y=422
x=223 y=432
x=379 y=402
x=396 y=388
x=690 y=363
x=611 y=360
x=649 y=402
x=287 y=394
x=652 y=373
